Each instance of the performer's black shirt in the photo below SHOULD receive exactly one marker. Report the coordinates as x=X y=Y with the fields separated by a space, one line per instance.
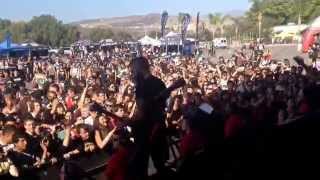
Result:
x=146 y=92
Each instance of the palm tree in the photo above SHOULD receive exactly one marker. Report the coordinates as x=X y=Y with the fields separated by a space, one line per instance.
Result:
x=180 y=19
x=258 y=10
x=217 y=22
x=225 y=21
x=235 y=23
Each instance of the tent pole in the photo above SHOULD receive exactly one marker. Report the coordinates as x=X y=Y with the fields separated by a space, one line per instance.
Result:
x=166 y=46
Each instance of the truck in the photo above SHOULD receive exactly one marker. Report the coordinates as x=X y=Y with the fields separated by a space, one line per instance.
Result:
x=220 y=43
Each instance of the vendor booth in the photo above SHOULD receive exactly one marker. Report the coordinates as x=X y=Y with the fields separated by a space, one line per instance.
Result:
x=148 y=41
x=9 y=49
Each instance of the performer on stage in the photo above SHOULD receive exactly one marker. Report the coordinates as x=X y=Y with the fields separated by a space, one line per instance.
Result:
x=149 y=126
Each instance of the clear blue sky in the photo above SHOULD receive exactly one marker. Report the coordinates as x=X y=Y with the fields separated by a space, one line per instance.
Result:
x=73 y=10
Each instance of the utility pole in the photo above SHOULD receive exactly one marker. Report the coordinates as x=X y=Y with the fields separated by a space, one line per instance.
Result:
x=299 y=26
x=260 y=24
x=299 y=15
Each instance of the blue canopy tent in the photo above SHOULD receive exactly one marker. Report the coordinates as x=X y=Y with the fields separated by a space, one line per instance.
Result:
x=7 y=48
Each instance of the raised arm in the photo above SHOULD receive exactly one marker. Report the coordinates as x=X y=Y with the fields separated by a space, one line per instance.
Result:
x=82 y=98
x=66 y=139
x=309 y=70
x=102 y=143
x=133 y=109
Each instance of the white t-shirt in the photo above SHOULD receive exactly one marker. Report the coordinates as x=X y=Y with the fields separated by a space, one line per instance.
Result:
x=224 y=84
x=89 y=121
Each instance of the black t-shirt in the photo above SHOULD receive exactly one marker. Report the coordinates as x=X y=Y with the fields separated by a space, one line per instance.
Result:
x=38 y=118
x=33 y=144
x=79 y=144
x=21 y=160
x=104 y=131
x=73 y=145
x=24 y=164
x=146 y=92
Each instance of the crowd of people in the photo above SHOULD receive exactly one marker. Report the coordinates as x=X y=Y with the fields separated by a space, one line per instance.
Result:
x=232 y=114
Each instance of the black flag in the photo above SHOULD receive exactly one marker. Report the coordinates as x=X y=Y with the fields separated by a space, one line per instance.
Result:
x=164 y=19
x=185 y=23
x=197 y=26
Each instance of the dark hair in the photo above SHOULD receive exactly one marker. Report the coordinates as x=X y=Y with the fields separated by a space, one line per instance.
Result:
x=56 y=86
x=95 y=108
x=8 y=129
x=84 y=126
x=17 y=136
x=45 y=134
x=118 y=106
x=72 y=88
x=32 y=104
x=139 y=66
x=28 y=119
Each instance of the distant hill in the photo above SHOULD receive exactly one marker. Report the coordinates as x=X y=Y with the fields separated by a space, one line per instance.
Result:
x=143 y=23
x=236 y=13
x=131 y=22
x=138 y=20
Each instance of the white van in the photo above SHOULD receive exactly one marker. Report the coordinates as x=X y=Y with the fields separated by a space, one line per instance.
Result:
x=220 y=43
x=66 y=51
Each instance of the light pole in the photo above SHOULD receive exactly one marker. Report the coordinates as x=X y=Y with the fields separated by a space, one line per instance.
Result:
x=299 y=27
x=259 y=23
x=299 y=15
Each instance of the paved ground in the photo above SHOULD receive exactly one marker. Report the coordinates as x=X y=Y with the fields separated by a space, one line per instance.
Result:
x=279 y=52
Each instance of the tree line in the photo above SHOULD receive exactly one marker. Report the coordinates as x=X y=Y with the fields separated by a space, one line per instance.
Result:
x=47 y=30
x=44 y=29
x=273 y=13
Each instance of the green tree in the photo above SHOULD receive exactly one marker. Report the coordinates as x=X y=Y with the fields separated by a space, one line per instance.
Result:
x=281 y=12
x=155 y=34
x=19 y=31
x=123 y=36
x=180 y=19
x=205 y=35
x=217 y=22
x=236 y=26
x=71 y=34
x=310 y=10
x=47 y=30
x=98 y=34
x=4 y=27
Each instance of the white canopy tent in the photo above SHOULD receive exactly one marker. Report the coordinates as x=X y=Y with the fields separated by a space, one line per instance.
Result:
x=316 y=23
x=172 y=38
x=82 y=43
x=146 y=40
x=30 y=43
x=107 y=42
